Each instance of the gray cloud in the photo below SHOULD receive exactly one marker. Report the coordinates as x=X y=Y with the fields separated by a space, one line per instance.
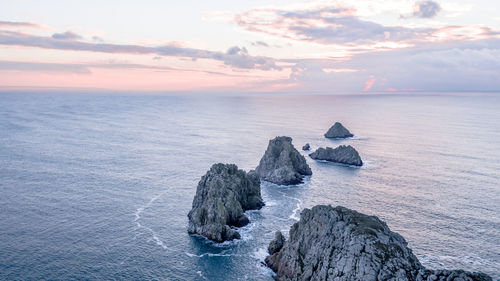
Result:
x=97 y=39
x=18 y=24
x=351 y=29
x=453 y=66
x=426 y=9
x=234 y=57
x=260 y=44
x=68 y=35
x=325 y=25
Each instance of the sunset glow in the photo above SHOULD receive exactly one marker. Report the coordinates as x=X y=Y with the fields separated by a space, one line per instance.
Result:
x=263 y=47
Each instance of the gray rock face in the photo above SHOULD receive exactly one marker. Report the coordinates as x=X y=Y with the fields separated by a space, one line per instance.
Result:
x=277 y=243
x=282 y=163
x=306 y=147
x=342 y=154
x=339 y=244
x=338 y=131
x=222 y=196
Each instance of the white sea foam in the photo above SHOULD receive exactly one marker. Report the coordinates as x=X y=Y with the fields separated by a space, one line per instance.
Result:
x=151 y=201
x=270 y=203
x=246 y=233
x=295 y=212
x=201 y=274
x=277 y=218
x=137 y=218
x=207 y=255
x=260 y=254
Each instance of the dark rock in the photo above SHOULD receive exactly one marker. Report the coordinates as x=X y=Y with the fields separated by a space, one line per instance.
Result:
x=342 y=154
x=277 y=243
x=222 y=196
x=340 y=244
x=282 y=163
x=306 y=147
x=338 y=131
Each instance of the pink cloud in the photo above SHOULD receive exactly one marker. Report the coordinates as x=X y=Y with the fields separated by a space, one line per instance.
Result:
x=340 y=26
x=325 y=25
x=234 y=57
x=369 y=84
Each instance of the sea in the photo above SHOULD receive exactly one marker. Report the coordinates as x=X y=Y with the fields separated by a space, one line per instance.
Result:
x=97 y=186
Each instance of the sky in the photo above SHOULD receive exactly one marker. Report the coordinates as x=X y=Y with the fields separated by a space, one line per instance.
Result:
x=251 y=46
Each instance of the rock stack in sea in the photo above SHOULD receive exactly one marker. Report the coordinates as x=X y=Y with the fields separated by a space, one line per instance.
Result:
x=222 y=196
x=344 y=154
x=340 y=244
x=306 y=147
x=282 y=163
x=338 y=131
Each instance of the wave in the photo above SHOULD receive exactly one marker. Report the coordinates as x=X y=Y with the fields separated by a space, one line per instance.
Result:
x=260 y=254
x=224 y=245
x=201 y=274
x=294 y=214
x=207 y=255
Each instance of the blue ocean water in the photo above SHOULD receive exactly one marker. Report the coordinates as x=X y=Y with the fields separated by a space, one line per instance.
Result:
x=98 y=186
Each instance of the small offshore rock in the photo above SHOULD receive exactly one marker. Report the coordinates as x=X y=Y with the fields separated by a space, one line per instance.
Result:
x=339 y=244
x=306 y=147
x=277 y=243
x=223 y=194
x=282 y=163
x=338 y=131
x=344 y=154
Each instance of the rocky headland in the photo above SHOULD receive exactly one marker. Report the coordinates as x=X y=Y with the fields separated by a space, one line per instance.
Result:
x=338 y=131
x=223 y=194
x=282 y=163
x=344 y=154
x=339 y=244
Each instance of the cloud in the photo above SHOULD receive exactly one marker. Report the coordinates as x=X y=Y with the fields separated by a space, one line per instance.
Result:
x=239 y=57
x=85 y=68
x=426 y=9
x=19 y=24
x=369 y=84
x=340 y=26
x=97 y=39
x=68 y=35
x=235 y=56
x=260 y=44
x=453 y=66
x=324 y=25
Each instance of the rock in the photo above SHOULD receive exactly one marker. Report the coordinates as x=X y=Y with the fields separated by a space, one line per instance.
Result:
x=282 y=163
x=306 y=147
x=277 y=243
x=339 y=244
x=338 y=131
x=223 y=194
x=342 y=154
